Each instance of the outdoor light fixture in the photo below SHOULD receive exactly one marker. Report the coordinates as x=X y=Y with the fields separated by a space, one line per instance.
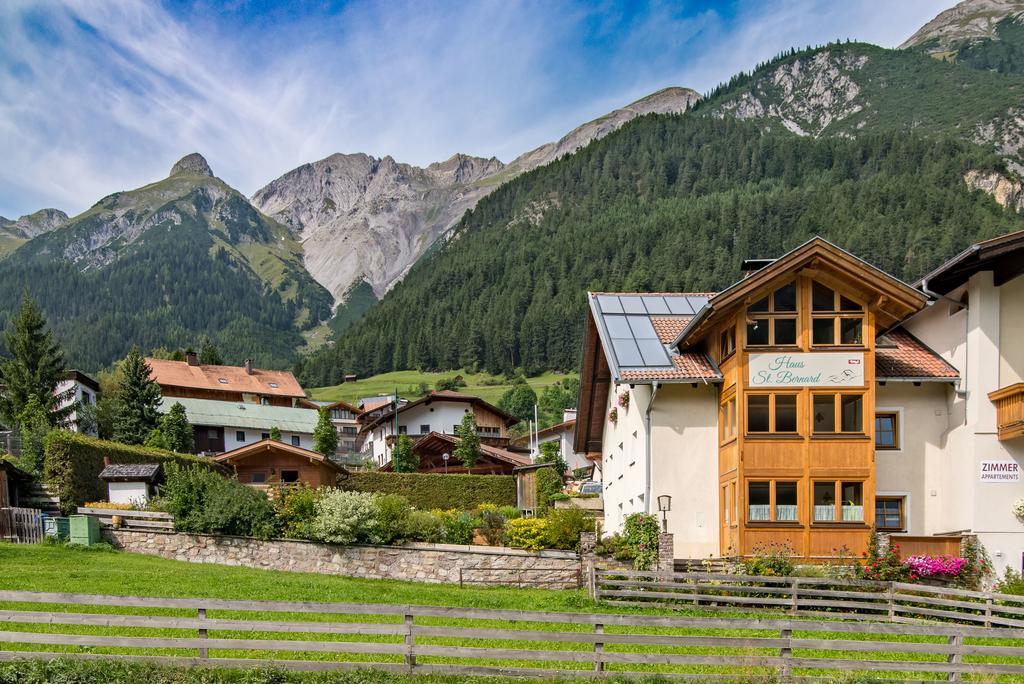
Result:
x=445 y=456
x=664 y=505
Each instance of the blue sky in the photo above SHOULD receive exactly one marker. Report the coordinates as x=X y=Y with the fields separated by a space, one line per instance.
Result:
x=104 y=95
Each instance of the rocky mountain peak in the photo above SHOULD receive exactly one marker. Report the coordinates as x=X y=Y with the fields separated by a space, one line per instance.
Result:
x=970 y=19
x=192 y=164
x=36 y=223
x=464 y=168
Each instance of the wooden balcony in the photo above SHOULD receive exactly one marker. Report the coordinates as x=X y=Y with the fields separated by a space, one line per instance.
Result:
x=1009 y=403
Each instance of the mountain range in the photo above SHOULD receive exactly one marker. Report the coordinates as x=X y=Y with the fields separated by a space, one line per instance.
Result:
x=905 y=155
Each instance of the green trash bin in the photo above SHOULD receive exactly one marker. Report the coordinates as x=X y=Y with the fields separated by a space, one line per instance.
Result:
x=85 y=530
x=57 y=527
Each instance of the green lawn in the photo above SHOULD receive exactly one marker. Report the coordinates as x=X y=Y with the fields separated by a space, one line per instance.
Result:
x=479 y=384
x=63 y=569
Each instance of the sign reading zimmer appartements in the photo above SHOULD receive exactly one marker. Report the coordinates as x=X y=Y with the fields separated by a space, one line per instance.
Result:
x=999 y=471
x=811 y=369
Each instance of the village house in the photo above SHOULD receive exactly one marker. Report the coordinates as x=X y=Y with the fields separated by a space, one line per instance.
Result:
x=439 y=412
x=79 y=390
x=564 y=434
x=231 y=406
x=814 y=399
x=345 y=419
x=435 y=453
x=269 y=462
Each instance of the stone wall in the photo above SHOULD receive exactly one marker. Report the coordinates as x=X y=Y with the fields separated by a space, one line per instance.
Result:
x=439 y=563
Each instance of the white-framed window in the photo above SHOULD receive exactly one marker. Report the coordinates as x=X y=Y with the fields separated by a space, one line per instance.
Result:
x=240 y=435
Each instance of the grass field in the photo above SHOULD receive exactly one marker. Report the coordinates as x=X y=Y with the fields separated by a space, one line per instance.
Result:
x=62 y=569
x=484 y=385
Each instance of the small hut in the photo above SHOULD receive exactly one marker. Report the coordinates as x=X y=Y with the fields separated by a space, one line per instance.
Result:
x=131 y=483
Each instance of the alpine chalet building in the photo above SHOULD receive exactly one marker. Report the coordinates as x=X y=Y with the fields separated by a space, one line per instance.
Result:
x=814 y=399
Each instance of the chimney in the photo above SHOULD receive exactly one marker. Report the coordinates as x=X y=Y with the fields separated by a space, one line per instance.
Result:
x=248 y=366
x=192 y=358
x=751 y=266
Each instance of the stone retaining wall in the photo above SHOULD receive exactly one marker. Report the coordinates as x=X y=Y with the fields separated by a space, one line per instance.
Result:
x=440 y=563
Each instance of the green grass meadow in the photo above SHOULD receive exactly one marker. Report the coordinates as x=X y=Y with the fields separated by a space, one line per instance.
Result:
x=484 y=385
x=49 y=568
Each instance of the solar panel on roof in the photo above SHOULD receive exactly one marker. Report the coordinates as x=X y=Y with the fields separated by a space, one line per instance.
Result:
x=633 y=305
x=609 y=304
x=627 y=353
x=697 y=303
x=679 y=306
x=618 y=326
x=642 y=327
x=656 y=305
x=653 y=353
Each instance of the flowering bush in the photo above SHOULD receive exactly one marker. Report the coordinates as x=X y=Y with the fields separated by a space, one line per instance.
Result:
x=640 y=535
x=624 y=400
x=935 y=566
x=772 y=560
x=613 y=415
x=886 y=565
x=112 y=506
x=1018 y=509
x=527 y=533
x=344 y=517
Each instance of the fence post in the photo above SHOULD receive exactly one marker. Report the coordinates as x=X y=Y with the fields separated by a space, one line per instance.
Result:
x=892 y=602
x=954 y=657
x=410 y=645
x=796 y=595
x=599 y=650
x=695 y=583
x=666 y=554
x=203 y=633
x=786 y=652
x=592 y=582
x=988 y=608
x=460 y=577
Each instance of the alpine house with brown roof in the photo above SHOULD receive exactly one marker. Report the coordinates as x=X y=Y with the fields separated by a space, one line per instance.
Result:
x=812 y=400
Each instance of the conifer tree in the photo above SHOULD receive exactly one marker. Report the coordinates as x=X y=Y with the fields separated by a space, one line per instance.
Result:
x=275 y=433
x=138 y=397
x=209 y=355
x=325 y=437
x=176 y=430
x=35 y=368
x=468 y=448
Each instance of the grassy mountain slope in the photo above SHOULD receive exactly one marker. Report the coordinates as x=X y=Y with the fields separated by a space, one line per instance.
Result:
x=1004 y=53
x=676 y=202
x=163 y=265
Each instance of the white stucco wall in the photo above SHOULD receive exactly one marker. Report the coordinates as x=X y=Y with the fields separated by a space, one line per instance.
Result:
x=985 y=354
x=82 y=395
x=127 y=492
x=916 y=470
x=624 y=467
x=684 y=455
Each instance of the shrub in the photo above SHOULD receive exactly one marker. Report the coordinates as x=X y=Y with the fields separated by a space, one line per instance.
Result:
x=614 y=545
x=527 y=533
x=640 y=536
x=549 y=484
x=73 y=463
x=1011 y=583
x=434 y=491
x=977 y=567
x=424 y=526
x=204 y=502
x=344 y=517
x=510 y=512
x=391 y=519
x=458 y=527
x=550 y=454
x=296 y=511
x=492 y=525
x=771 y=560
x=565 y=525
x=884 y=565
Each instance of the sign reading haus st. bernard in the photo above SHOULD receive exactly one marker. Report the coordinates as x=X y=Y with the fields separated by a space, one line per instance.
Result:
x=810 y=369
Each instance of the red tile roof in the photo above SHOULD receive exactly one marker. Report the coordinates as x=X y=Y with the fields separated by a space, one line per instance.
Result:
x=898 y=354
x=208 y=377
x=669 y=327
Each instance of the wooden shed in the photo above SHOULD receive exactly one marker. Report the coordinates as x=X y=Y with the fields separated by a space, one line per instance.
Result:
x=271 y=462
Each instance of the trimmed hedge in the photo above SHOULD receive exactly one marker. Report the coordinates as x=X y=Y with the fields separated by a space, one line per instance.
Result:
x=73 y=463
x=428 y=491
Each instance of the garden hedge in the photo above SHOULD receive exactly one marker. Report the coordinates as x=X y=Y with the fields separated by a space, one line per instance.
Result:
x=428 y=491
x=73 y=463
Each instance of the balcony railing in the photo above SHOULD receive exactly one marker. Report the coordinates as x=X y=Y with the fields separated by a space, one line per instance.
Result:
x=1009 y=403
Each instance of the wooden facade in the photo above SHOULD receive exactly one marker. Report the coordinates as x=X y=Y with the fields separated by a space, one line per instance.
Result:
x=797 y=461
x=271 y=462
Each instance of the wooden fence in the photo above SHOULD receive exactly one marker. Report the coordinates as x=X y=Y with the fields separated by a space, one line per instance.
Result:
x=818 y=596
x=21 y=525
x=133 y=520
x=471 y=641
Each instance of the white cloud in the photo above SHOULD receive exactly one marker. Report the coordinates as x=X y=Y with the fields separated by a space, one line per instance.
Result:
x=102 y=95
